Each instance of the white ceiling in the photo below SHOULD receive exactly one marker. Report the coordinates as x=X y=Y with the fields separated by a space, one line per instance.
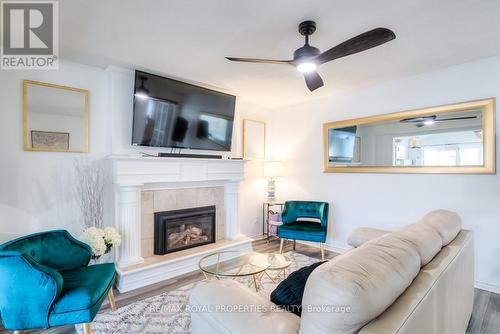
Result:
x=188 y=39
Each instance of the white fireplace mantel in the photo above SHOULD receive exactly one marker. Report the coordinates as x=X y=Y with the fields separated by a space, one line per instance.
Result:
x=132 y=174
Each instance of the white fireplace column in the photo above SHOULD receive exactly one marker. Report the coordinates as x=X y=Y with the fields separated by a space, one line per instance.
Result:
x=232 y=206
x=128 y=223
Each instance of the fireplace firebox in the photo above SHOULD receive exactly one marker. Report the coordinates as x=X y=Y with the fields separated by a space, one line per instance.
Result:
x=181 y=229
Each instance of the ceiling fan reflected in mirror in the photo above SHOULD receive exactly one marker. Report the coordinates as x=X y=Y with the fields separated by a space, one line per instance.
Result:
x=307 y=58
x=431 y=119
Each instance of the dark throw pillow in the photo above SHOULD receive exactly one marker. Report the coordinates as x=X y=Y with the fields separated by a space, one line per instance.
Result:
x=288 y=294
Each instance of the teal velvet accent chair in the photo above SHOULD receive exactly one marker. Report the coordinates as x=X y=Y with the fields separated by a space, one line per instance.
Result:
x=304 y=220
x=45 y=281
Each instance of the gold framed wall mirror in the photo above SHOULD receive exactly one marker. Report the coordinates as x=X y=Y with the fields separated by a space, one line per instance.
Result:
x=451 y=139
x=254 y=139
x=55 y=118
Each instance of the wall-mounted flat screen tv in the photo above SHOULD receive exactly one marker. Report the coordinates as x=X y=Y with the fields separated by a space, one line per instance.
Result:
x=175 y=114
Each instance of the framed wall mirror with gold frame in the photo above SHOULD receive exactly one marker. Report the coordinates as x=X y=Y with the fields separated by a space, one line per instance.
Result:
x=55 y=118
x=451 y=139
x=254 y=139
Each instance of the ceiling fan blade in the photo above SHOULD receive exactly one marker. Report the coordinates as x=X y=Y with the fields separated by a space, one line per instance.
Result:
x=261 y=61
x=365 y=41
x=313 y=80
x=455 y=118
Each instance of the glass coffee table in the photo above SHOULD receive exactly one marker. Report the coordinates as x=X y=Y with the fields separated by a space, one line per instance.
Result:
x=234 y=264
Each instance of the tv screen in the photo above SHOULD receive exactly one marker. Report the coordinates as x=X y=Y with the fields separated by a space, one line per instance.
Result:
x=171 y=113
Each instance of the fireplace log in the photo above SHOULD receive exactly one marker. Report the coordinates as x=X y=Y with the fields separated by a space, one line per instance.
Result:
x=174 y=238
x=196 y=230
x=186 y=237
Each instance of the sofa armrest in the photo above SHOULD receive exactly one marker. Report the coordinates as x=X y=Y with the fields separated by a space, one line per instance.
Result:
x=364 y=234
x=27 y=291
x=226 y=306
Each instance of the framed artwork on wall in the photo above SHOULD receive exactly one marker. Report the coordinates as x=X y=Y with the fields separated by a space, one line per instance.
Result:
x=50 y=140
x=254 y=139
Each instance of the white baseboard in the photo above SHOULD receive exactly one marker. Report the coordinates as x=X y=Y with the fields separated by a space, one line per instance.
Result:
x=337 y=248
x=257 y=237
x=487 y=286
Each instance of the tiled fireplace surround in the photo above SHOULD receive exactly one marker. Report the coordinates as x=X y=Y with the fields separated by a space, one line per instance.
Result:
x=145 y=185
x=174 y=199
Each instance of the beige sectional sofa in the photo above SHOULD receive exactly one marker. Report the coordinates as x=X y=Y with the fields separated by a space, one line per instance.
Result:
x=417 y=279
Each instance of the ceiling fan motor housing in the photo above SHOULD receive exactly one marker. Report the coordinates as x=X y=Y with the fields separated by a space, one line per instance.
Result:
x=306 y=29
x=304 y=52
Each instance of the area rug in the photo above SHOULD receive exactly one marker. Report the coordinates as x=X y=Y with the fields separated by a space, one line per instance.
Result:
x=166 y=313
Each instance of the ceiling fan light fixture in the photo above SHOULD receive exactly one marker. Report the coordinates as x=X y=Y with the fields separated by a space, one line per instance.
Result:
x=429 y=122
x=142 y=92
x=141 y=95
x=306 y=67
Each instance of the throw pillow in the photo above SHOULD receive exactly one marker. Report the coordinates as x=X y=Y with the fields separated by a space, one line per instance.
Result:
x=288 y=294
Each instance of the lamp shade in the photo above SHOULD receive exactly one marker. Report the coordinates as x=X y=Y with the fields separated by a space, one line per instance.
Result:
x=273 y=168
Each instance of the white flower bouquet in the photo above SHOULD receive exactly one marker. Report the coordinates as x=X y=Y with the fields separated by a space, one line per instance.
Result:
x=101 y=240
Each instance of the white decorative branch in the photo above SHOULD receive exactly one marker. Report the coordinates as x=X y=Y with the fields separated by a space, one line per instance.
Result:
x=89 y=188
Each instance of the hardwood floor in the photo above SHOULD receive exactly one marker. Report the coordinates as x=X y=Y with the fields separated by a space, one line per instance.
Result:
x=485 y=317
x=486 y=314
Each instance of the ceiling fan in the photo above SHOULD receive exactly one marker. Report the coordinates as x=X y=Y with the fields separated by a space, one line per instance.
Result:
x=431 y=119
x=307 y=58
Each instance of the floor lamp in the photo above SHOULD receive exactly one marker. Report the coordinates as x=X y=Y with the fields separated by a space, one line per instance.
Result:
x=272 y=170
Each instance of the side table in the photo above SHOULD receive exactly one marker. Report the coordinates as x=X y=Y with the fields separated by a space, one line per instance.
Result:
x=266 y=206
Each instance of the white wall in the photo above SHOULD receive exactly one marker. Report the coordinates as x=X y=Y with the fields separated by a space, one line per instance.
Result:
x=253 y=189
x=36 y=188
x=391 y=200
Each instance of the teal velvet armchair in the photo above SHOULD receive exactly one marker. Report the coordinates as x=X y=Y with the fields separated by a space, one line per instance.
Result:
x=45 y=281
x=304 y=220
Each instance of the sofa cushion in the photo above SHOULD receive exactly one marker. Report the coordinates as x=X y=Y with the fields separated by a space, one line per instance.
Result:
x=440 y=298
x=358 y=286
x=84 y=287
x=289 y=292
x=303 y=230
x=446 y=223
x=426 y=240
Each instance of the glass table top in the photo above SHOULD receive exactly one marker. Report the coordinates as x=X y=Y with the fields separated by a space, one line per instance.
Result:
x=234 y=263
